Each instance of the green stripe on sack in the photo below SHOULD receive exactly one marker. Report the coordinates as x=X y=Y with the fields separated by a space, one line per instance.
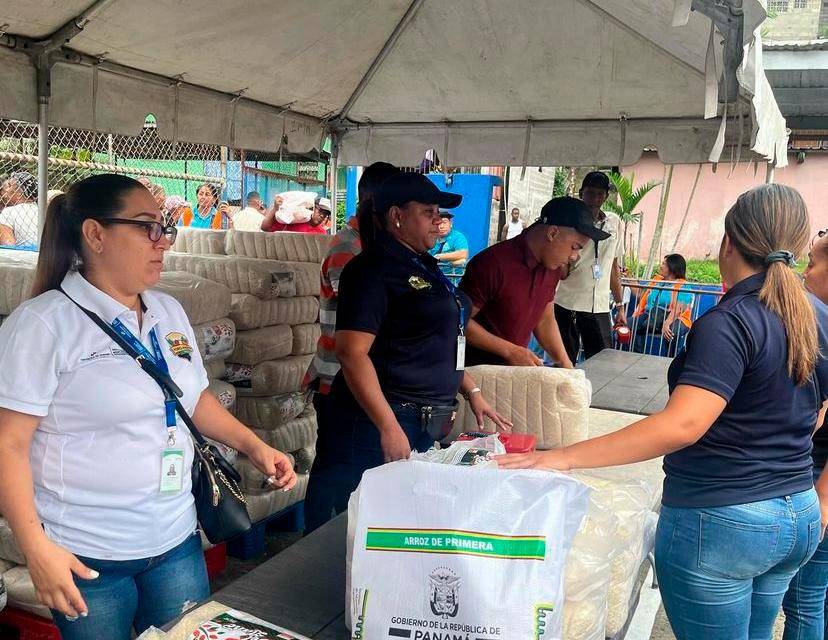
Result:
x=457 y=542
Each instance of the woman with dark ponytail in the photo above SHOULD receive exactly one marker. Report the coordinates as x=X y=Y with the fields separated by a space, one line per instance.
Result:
x=96 y=475
x=739 y=515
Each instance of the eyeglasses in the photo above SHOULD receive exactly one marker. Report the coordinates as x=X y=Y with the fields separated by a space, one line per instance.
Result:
x=155 y=230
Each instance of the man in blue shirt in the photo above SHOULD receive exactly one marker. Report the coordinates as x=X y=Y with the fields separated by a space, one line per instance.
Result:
x=451 y=249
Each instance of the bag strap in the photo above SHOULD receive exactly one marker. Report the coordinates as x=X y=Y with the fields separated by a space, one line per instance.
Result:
x=168 y=386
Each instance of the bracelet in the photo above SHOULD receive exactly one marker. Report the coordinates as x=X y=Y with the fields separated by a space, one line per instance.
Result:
x=471 y=392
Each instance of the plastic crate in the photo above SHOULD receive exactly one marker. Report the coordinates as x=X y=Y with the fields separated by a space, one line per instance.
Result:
x=27 y=625
x=216 y=559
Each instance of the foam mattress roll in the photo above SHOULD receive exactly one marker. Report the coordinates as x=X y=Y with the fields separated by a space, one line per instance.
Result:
x=295 y=434
x=9 y=550
x=216 y=340
x=21 y=592
x=200 y=241
x=293 y=247
x=266 y=279
x=259 y=345
x=262 y=505
x=273 y=377
x=224 y=392
x=307 y=277
x=304 y=459
x=203 y=300
x=305 y=338
x=270 y=411
x=215 y=368
x=15 y=285
x=250 y=312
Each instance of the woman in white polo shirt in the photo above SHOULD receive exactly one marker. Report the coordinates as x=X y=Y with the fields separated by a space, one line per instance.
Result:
x=110 y=542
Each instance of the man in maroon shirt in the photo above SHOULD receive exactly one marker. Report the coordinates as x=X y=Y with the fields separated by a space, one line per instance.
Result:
x=512 y=286
x=321 y=213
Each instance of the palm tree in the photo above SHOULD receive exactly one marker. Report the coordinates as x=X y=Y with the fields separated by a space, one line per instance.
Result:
x=628 y=200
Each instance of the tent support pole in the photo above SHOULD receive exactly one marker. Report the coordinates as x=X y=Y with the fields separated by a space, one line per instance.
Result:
x=42 y=161
x=334 y=179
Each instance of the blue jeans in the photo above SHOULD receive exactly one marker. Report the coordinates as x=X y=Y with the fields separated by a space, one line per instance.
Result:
x=138 y=593
x=804 y=604
x=348 y=444
x=723 y=571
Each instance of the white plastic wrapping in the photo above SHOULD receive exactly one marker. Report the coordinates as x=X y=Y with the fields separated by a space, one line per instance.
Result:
x=630 y=500
x=203 y=300
x=270 y=411
x=200 y=241
x=250 y=312
x=258 y=345
x=216 y=368
x=9 y=550
x=292 y=435
x=21 y=592
x=294 y=247
x=262 y=505
x=297 y=206
x=224 y=392
x=305 y=337
x=274 y=377
x=16 y=280
x=216 y=340
x=266 y=279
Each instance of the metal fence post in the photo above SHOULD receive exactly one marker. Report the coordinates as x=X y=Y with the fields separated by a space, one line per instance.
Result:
x=42 y=162
x=334 y=179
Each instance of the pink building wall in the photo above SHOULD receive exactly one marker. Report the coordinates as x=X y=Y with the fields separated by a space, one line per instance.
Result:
x=715 y=194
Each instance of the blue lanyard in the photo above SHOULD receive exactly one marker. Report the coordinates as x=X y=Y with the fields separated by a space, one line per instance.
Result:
x=450 y=288
x=158 y=360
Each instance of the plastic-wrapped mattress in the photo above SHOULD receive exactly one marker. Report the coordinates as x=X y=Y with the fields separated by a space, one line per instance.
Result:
x=200 y=241
x=304 y=459
x=253 y=481
x=292 y=435
x=8 y=545
x=270 y=411
x=21 y=592
x=305 y=337
x=224 y=392
x=16 y=280
x=264 y=279
x=258 y=345
x=550 y=403
x=270 y=378
x=216 y=340
x=250 y=312
x=215 y=369
x=307 y=277
x=293 y=247
x=203 y=300
x=262 y=505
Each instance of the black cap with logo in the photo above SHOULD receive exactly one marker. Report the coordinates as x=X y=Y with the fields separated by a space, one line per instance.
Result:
x=571 y=212
x=402 y=188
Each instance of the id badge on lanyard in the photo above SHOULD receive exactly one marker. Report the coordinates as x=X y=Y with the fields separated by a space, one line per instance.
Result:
x=172 y=457
x=596 y=267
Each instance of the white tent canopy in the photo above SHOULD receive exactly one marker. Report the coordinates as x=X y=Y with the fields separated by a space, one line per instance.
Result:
x=481 y=81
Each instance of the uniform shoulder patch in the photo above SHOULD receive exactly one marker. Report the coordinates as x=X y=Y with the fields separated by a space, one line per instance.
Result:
x=179 y=345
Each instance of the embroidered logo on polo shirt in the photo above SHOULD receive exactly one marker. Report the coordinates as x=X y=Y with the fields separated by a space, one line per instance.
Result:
x=419 y=283
x=179 y=345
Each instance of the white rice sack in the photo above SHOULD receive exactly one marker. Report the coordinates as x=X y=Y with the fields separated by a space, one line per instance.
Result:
x=297 y=206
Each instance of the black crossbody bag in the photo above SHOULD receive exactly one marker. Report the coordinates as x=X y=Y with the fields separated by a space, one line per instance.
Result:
x=220 y=505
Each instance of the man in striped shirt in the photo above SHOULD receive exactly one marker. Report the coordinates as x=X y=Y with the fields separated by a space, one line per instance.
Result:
x=320 y=503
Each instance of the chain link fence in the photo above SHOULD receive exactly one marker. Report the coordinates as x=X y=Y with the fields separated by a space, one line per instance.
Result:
x=173 y=172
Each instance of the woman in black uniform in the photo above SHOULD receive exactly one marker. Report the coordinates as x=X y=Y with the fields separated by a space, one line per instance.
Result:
x=400 y=338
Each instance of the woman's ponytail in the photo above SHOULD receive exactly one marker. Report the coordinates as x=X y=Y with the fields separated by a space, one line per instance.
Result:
x=61 y=246
x=769 y=226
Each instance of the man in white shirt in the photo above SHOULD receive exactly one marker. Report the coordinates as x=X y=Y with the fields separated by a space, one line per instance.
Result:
x=250 y=218
x=514 y=227
x=582 y=302
x=19 y=219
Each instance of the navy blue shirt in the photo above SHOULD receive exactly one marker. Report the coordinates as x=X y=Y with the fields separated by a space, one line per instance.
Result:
x=760 y=446
x=403 y=299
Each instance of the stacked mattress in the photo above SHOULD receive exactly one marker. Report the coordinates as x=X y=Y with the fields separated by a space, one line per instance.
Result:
x=274 y=307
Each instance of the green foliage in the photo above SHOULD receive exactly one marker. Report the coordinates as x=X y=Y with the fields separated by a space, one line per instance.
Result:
x=559 y=186
x=701 y=271
x=626 y=207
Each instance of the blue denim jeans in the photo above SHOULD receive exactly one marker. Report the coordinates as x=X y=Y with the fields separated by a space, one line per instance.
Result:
x=138 y=593
x=804 y=604
x=348 y=444
x=723 y=571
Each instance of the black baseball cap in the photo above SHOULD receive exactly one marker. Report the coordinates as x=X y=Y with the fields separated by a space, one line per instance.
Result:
x=597 y=179
x=571 y=212
x=402 y=188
